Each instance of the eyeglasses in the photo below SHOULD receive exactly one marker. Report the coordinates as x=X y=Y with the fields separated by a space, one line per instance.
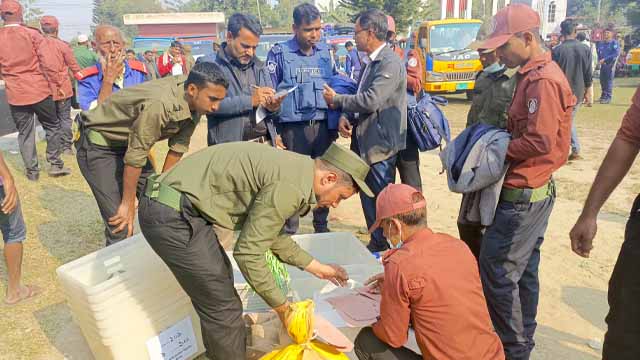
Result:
x=361 y=30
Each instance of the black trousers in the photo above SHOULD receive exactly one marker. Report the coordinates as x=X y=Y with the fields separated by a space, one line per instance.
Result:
x=187 y=243
x=408 y=164
x=622 y=340
x=369 y=347
x=26 y=125
x=63 y=113
x=472 y=235
x=103 y=169
x=312 y=139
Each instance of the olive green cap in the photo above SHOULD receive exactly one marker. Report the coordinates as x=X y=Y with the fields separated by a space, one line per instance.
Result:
x=349 y=162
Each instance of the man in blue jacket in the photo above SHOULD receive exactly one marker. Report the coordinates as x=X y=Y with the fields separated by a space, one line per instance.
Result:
x=250 y=86
x=304 y=64
x=111 y=73
x=608 y=52
x=353 y=65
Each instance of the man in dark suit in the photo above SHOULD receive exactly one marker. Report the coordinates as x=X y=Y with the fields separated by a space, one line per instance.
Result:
x=376 y=116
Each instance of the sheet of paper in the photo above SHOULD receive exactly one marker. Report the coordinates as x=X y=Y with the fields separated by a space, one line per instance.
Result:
x=261 y=114
x=178 y=342
x=412 y=343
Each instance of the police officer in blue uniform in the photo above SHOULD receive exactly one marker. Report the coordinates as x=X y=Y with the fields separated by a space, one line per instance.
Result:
x=608 y=52
x=305 y=64
x=112 y=73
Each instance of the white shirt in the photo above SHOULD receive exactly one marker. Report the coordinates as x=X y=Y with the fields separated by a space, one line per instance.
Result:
x=371 y=57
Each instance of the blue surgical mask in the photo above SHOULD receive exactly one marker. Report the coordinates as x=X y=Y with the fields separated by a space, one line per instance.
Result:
x=494 y=68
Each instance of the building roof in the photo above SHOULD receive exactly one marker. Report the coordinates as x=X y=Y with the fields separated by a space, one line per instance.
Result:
x=174 y=18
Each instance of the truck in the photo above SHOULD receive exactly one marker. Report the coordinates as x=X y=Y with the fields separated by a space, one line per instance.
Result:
x=450 y=66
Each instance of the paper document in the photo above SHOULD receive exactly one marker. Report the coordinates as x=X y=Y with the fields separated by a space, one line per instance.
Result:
x=261 y=112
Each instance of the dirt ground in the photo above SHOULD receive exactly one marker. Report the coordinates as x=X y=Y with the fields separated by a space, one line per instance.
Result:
x=63 y=225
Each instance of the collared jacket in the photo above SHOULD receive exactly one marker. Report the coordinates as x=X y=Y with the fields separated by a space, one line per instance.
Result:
x=492 y=96
x=143 y=115
x=29 y=72
x=475 y=164
x=539 y=123
x=62 y=54
x=254 y=189
x=381 y=104
x=90 y=81
x=236 y=112
x=432 y=284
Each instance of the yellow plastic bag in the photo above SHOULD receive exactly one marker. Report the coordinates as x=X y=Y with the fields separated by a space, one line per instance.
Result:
x=301 y=331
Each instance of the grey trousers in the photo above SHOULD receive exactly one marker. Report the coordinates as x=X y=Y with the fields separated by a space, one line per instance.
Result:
x=23 y=117
x=369 y=347
x=63 y=112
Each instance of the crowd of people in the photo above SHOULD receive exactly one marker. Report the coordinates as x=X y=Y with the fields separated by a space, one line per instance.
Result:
x=272 y=157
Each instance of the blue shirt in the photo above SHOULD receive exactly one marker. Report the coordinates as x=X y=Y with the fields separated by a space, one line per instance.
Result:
x=89 y=86
x=608 y=50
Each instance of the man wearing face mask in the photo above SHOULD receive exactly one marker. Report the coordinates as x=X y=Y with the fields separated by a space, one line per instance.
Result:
x=250 y=86
x=111 y=73
x=492 y=96
x=539 y=121
x=304 y=63
x=431 y=283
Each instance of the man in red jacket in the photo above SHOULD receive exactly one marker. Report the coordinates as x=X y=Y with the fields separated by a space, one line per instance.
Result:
x=431 y=283
x=62 y=54
x=30 y=75
x=172 y=62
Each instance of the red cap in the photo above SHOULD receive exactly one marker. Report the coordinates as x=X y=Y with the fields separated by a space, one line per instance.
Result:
x=509 y=21
x=10 y=6
x=49 y=20
x=391 y=24
x=393 y=200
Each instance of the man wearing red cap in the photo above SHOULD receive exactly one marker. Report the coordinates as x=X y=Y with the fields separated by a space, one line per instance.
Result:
x=539 y=120
x=62 y=53
x=30 y=76
x=430 y=282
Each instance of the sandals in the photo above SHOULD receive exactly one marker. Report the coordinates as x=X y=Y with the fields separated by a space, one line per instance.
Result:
x=31 y=292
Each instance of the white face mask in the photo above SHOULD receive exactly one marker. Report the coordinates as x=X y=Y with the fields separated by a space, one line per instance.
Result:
x=494 y=68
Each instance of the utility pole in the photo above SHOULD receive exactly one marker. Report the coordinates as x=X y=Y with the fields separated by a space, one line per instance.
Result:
x=598 y=17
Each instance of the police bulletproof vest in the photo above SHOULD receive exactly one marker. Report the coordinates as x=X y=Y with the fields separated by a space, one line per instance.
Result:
x=309 y=73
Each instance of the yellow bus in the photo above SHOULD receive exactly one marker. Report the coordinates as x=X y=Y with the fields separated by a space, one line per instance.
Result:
x=450 y=66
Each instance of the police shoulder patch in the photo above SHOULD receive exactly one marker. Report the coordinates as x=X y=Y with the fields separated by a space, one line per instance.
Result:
x=86 y=72
x=413 y=62
x=271 y=66
x=533 y=106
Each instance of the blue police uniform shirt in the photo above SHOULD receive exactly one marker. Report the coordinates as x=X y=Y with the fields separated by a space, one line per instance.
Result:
x=90 y=84
x=608 y=50
x=288 y=66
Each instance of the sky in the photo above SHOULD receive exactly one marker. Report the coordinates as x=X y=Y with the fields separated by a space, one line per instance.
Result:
x=74 y=15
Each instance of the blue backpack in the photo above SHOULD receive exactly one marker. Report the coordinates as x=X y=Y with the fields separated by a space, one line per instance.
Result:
x=427 y=123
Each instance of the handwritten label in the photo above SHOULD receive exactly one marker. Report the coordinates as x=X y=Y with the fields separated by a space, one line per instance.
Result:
x=178 y=342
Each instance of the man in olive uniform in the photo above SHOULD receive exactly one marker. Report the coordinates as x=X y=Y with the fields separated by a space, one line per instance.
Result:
x=247 y=187
x=116 y=137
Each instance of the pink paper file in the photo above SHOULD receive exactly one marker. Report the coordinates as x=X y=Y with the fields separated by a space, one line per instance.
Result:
x=331 y=335
x=357 y=309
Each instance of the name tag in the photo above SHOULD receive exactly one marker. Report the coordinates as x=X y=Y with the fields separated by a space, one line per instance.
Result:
x=313 y=72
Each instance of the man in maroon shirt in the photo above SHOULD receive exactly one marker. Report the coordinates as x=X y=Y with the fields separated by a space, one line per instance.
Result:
x=65 y=61
x=30 y=75
x=539 y=121
x=623 y=320
x=431 y=283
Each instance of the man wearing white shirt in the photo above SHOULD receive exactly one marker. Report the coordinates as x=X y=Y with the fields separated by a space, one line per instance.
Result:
x=376 y=117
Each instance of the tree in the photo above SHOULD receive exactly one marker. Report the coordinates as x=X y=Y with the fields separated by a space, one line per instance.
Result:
x=31 y=13
x=404 y=12
x=111 y=12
